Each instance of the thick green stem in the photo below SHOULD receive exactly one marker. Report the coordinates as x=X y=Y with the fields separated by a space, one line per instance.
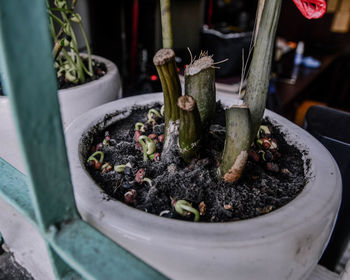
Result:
x=259 y=72
x=237 y=143
x=164 y=60
x=167 y=31
x=200 y=84
x=190 y=128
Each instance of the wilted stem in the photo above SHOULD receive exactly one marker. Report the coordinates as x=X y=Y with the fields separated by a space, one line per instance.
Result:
x=200 y=84
x=237 y=143
x=190 y=128
x=259 y=72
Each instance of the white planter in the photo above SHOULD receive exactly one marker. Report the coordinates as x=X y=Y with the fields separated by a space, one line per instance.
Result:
x=284 y=244
x=76 y=100
x=73 y=101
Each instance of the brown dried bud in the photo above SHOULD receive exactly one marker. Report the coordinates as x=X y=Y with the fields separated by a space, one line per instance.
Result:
x=265 y=143
x=140 y=175
x=137 y=135
x=97 y=165
x=228 y=206
x=202 y=208
x=254 y=156
x=106 y=167
x=130 y=196
x=161 y=138
x=285 y=171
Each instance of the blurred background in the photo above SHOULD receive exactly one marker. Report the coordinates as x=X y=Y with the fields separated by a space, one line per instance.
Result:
x=129 y=34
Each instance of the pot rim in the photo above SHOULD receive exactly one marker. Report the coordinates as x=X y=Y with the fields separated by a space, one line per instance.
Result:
x=319 y=196
x=111 y=71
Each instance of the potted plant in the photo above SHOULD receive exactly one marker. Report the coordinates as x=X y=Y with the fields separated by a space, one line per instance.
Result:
x=282 y=244
x=83 y=79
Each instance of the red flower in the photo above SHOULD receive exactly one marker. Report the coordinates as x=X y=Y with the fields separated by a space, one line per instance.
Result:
x=311 y=9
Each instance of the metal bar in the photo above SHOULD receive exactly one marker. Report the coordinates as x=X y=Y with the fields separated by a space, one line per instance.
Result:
x=83 y=246
x=14 y=189
x=30 y=81
x=29 y=78
x=60 y=267
x=89 y=252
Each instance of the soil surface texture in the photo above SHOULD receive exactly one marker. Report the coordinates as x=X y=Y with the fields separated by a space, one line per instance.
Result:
x=274 y=174
x=99 y=70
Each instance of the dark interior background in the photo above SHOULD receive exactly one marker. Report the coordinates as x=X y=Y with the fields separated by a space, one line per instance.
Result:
x=129 y=33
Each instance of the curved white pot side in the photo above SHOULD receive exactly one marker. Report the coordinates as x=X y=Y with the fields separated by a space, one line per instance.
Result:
x=284 y=244
x=76 y=100
x=73 y=102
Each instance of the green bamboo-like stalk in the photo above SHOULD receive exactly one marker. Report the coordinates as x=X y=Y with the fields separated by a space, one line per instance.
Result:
x=164 y=60
x=200 y=84
x=167 y=30
x=190 y=128
x=237 y=143
x=259 y=72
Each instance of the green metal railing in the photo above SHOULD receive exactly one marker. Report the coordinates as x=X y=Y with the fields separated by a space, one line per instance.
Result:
x=45 y=196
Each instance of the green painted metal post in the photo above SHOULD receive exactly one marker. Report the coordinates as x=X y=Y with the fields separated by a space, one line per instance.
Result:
x=29 y=79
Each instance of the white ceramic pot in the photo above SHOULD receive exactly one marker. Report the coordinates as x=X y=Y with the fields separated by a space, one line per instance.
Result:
x=73 y=102
x=284 y=244
x=76 y=100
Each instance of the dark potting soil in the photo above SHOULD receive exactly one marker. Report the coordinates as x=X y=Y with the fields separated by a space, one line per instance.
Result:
x=271 y=178
x=99 y=70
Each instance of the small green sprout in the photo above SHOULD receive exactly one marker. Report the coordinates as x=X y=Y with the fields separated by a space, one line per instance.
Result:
x=183 y=207
x=148 y=146
x=106 y=167
x=140 y=126
x=150 y=115
x=120 y=168
x=263 y=129
x=162 y=110
x=97 y=163
x=148 y=180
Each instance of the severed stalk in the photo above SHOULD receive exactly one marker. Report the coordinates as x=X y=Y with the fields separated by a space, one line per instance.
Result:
x=259 y=72
x=237 y=143
x=164 y=60
x=190 y=128
x=200 y=84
